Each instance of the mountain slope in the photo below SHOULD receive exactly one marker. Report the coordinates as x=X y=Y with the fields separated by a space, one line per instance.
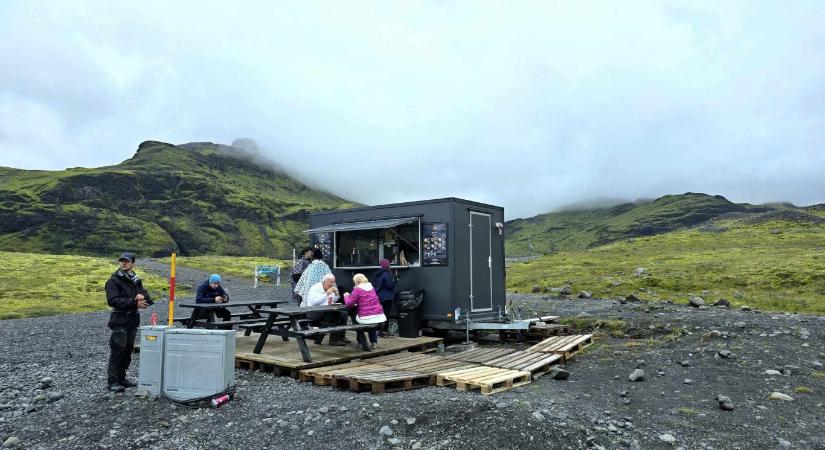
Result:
x=773 y=260
x=578 y=230
x=198 y=198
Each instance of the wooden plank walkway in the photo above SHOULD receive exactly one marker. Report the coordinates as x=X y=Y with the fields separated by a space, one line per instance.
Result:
x=284 y=358
x=428 y=364
x=323 y=376
x=481 y=355
x=382 y=380
x=488 y=380
x=534 y=362
x=567 y=346
x=402 y=371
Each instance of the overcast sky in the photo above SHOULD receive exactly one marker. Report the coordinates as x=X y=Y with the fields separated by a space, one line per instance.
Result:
x=530 y=106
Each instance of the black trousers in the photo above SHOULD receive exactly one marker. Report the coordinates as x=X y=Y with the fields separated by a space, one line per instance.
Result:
x=121 y=344
x=330 y=319
x=221 y=313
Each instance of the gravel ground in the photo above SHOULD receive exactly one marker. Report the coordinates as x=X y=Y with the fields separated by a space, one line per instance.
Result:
x=52 y=376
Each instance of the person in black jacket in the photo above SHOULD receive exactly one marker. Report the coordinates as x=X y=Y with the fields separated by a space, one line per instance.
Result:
x=384 y=284
x=211 y=291
x=126 y=295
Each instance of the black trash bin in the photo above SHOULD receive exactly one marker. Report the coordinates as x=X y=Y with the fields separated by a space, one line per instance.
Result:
x=408 y=304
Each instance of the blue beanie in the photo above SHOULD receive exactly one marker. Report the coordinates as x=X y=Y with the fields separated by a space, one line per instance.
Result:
x=214 y=278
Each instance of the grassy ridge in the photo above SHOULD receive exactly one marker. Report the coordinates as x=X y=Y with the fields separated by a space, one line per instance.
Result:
x=40 y=285
x=238 y=266
x=580 y=230
x=199 y=198
x=777 y=265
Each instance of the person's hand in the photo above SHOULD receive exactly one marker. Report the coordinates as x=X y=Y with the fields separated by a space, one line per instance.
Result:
x=219 y=299
x=139 y=297
x=141 y=303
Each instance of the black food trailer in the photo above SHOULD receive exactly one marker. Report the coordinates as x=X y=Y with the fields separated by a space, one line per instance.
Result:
x=451 y=248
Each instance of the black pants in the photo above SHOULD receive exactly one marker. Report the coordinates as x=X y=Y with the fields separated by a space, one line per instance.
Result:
x=122 y=344
x=390 y=311
x=330 y=319
x=221 y=313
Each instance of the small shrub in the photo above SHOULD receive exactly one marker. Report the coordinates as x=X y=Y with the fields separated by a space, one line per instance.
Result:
x=685 y=411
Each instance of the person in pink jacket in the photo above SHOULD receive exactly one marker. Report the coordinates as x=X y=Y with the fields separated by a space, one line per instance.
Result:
x=368 y=307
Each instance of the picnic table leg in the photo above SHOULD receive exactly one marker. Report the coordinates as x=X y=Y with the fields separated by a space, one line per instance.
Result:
x=192 y=318
x=302 y=345
x=283 y=328
x=256 y=312
x=264 y=333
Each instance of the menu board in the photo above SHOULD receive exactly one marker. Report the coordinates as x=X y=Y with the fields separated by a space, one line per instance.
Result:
x=435 y=244
x=323 y=241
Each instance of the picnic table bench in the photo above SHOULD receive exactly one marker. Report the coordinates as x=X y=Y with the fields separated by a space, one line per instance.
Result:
x=256 y=307
x=299 y=327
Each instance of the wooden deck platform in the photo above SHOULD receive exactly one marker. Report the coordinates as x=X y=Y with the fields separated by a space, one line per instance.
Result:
x=402 y=371
x=481 y=355
x=567 y=346
x=284 y=358
x=488 y=380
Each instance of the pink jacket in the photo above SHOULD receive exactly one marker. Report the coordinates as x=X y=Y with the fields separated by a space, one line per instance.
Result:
x=366 y=300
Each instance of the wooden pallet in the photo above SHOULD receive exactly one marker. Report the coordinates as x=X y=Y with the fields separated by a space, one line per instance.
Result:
x=536 y=333
x=429 y=364
x=283 y=358
x=534 y=362
x=488 y=380
x=382 y=380
x=567 y=346
x=323 y=376
x=481 y=355
x=548 y=329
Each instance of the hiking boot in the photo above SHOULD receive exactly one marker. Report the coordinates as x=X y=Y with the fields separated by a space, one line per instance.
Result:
x=114 y=387
x=127 y=383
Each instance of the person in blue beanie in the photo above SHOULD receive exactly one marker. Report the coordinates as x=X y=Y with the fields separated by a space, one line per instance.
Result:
x=211 y=291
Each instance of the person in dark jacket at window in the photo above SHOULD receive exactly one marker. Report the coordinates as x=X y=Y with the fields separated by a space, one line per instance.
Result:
x=211 y=291
x=384 y=285
x=126 y=295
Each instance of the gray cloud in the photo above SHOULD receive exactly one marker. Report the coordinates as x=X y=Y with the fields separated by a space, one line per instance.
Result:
x=528 y=105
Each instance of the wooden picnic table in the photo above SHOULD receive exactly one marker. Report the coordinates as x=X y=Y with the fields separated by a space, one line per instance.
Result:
x=299 y=328
x=255 y=308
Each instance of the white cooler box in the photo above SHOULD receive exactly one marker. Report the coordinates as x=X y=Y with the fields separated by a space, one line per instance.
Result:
x=198 y=363
x=150 y=363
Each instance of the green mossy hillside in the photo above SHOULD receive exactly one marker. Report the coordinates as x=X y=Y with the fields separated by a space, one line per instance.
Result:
x=579 y=230
x=774 y=261
x=42 y=285
x=198 y=198
x=235 y=266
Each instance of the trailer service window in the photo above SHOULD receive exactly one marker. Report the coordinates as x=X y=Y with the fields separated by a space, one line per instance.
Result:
x=365 y=248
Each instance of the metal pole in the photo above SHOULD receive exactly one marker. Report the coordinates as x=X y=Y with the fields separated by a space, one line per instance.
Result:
x=467 y=327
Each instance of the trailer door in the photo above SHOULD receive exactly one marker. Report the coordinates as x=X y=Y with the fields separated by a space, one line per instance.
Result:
x=481 y=262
